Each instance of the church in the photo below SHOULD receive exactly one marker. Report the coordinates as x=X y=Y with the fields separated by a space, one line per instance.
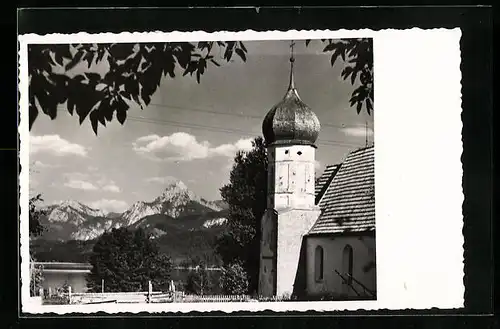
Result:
x=318 y=235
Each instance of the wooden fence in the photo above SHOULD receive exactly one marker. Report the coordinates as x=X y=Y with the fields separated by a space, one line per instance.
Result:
x=143 y=297
x=150 y=296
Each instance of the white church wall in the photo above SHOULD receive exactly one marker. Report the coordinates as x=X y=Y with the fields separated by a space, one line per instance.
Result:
x=292 y=226
x=333 y=247
x=267 y=271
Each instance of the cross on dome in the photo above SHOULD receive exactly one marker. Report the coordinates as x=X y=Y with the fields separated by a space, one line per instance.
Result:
x=291 y=121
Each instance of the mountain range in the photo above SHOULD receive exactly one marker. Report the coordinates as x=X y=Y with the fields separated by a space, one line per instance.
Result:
x=177 y=214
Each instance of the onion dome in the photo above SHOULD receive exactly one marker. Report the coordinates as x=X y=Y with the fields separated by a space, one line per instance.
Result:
x=291 y=121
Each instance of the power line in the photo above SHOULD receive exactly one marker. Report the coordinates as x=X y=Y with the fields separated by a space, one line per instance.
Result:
x=220 y=129
x=175 y=107
x=225 y=130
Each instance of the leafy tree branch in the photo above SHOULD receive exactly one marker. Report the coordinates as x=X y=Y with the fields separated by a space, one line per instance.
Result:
x=357 y=55
x=134 y=73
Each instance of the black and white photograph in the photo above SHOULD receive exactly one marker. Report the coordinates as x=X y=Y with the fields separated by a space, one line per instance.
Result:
x=201 y=172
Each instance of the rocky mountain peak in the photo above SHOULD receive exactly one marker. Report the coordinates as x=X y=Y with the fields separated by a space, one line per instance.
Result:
x=177 y=190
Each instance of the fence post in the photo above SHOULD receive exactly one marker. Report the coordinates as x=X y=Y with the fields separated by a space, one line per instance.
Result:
x=69 y=294
x=150 y=290
x=40 y=291
x=50 y=291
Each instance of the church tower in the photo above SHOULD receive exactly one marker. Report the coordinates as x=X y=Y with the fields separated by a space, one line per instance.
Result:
x=290 y=131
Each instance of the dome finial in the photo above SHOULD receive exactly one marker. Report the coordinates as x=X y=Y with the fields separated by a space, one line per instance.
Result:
x=292 y=60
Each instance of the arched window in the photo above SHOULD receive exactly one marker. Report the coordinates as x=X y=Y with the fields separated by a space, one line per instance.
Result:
x=318 y=263
x=347 y=264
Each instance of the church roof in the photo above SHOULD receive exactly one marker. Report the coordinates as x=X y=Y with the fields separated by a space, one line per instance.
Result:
x=324 y=180
x=348 y=204
x=291 y=121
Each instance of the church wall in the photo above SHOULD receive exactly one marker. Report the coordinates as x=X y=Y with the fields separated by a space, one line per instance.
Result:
x=292 y=226
x=333 y=247
x=267 y=268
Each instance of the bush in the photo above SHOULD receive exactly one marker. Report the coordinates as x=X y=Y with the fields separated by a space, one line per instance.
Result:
x=56 y=300
x=234 y=280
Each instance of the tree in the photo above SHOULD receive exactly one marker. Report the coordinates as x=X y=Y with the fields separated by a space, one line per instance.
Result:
x=126 y=260
x=36 y=278
x=35 y=214
x=357 y=54
x=35 y=229
x=198 y=281
x=234 y=279
x=134 y=74
x=246 y=195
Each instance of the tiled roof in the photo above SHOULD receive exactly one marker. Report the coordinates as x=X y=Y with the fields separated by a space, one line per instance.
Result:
x=324 y=180
x=349 y=201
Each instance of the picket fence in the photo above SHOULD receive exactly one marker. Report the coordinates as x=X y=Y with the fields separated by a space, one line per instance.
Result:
x=148 y=297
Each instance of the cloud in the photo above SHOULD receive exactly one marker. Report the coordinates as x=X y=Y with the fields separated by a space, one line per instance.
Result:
x=55 y=145
x=317 y=165
x=184 y=147
x=109 y=205
x=230 y=150
x=76 y=176
x=39 y=164
x=108 y=185
x=80 y=185
x=111 y=188
x=92 y=168
x=358 y=131
x=82 y=181
x=161 y=180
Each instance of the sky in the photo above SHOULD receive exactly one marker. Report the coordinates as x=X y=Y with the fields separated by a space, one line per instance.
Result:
x=191 y=132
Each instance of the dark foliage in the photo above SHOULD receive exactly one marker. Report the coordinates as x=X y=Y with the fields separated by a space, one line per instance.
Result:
x=357 y=54
x=127 y=260
x=133 y=75
x=199 y=281
x=35 y=213
x=73 y=251
x=185 y=247
x=246 y=195
x=234 y=280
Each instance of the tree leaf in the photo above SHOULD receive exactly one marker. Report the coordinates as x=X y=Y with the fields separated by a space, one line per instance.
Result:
x=75 y=61
x=94 y=117
x=214 y=62
x=369 y=105
x=94 y=78
x=121 y=111
x=346 y=72
x=89 y=57
x=342 y=52
x=33 y=114
x=241 y=53
x=358 y=107
x=353 y=76
x=330 y=47
x=228 y=54
x=242 y=46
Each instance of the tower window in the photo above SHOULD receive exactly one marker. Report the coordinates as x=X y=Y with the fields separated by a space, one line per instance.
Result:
x=299 y=152
x=286 y=151
x=318 y=263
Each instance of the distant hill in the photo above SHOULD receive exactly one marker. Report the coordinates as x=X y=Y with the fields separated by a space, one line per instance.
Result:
x=183 y=224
